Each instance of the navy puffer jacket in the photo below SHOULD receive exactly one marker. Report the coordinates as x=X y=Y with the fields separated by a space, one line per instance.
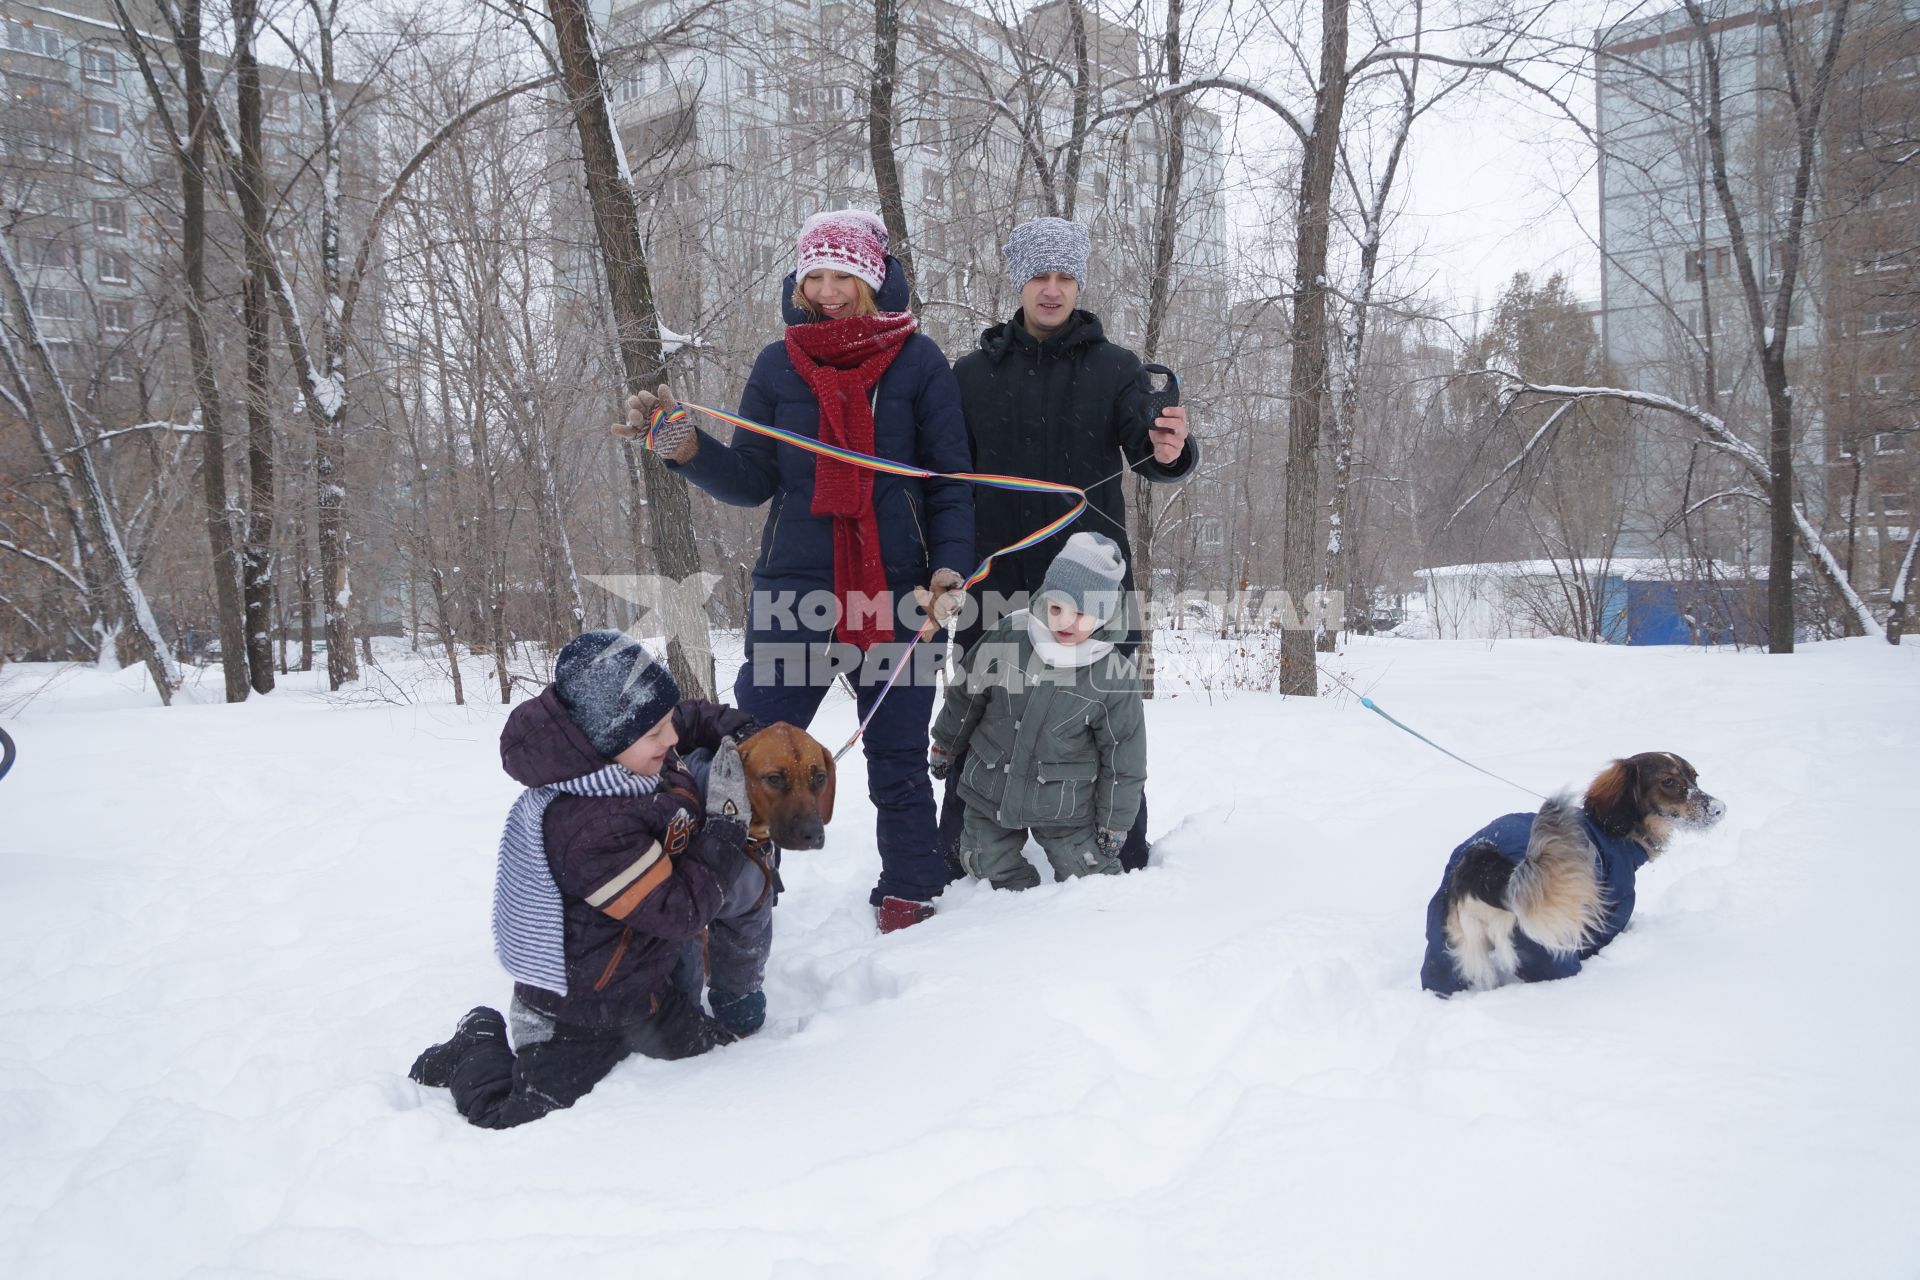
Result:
x=1508 y=836
x=924 y=524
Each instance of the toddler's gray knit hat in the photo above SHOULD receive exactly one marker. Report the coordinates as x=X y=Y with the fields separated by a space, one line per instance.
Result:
x=613 y=689
x=1047 y=244
x=1087 y=575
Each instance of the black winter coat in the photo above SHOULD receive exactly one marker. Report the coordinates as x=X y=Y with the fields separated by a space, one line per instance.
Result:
x=1072 y=410
x=624 y=931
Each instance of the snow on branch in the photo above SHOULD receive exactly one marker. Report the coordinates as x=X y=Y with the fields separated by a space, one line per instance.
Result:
x=45 y=562
x=177 y=428
x=1518 y=458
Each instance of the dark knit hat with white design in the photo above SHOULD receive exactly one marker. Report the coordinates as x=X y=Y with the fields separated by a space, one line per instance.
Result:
x=1047 y=244
x=613 y=689
x=1087 y=575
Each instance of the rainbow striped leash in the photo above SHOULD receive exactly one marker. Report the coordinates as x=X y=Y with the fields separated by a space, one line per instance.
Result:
x=890 y=467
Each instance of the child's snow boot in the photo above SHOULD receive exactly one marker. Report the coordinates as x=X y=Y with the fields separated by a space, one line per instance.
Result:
x=899 y=913
x=435 y=1067
x=741 y=1012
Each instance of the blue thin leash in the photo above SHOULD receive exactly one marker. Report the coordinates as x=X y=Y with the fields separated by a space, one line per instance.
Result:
x=1374 y=707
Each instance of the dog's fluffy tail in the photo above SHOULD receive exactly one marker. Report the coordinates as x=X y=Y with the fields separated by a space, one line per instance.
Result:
x=1555 y=891
x=1479 y=929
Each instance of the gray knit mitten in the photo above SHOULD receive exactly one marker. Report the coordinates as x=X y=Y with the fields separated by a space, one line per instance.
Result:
x=727 y=786
x=675 y=439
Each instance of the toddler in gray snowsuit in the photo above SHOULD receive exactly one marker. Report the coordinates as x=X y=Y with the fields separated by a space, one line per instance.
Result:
x=1049 y=716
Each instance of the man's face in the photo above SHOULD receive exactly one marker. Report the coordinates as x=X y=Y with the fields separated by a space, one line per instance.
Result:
x=1048 y=300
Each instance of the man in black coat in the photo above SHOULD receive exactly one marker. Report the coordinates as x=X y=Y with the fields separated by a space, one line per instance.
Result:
x=1047 y=397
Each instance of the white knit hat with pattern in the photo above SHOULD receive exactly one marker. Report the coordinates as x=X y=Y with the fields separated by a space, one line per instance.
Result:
x=849 y=240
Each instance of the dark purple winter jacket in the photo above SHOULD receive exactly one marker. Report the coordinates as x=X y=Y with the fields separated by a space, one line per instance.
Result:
x=629 y=907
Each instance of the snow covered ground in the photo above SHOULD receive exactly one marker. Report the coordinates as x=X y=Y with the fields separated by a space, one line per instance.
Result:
x=229 y=929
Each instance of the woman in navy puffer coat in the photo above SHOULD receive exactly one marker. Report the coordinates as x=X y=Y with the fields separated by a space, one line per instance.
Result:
x=835 y=531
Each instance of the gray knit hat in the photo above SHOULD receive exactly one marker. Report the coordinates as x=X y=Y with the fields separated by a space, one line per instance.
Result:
x=1087 y=575
x=1047 y=244
x=613 y=689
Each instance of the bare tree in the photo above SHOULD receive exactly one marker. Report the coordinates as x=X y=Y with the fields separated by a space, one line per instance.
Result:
x=94 y=513
x=1807 y=82
x=616 y=218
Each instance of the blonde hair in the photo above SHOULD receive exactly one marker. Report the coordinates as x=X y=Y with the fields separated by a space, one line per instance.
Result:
x=863 y=299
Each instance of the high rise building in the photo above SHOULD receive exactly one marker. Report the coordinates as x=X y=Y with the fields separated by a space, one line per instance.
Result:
x=1675 y=315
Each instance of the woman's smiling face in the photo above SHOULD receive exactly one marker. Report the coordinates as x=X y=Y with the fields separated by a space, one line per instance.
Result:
x=832 y=293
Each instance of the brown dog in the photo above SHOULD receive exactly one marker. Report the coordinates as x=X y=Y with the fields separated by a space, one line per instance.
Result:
x=790 y=780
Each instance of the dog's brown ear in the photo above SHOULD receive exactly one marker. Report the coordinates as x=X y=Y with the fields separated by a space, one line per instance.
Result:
x=826 y=792
x=1613 y=798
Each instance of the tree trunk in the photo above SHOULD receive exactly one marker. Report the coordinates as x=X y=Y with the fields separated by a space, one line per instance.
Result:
x=1301 y=543
x=1166 y=231
x=881 y=86
x=1902 y=583
x=330 y=443
x=306 y=597
x=213 y=440
x=616 y=221
x=257 y=317
x=1769 y=319
x=1083 y=95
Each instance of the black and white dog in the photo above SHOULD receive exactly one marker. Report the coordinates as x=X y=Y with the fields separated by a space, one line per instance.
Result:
x=1529 y=896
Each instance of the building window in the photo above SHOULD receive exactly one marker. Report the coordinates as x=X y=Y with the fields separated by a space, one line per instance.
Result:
x=53 y=253
x=55 y=304
x=273 y=104
x=116 y=317
x=1882 y=322
x=98 y=65
x=1710 y=262
x=1894 y=506
x=119 y=368
x=28 y=38
x=1885 y=262
x=103 y=117
x=1890 y=442
x=110 y=216
x=112 y=268
x=935 y=185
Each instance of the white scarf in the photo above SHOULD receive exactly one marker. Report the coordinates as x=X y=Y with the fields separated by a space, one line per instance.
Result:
x=1055 y=654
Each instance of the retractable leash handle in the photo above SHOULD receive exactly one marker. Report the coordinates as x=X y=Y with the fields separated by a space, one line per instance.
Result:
x=1168 y=395
x=6 y=753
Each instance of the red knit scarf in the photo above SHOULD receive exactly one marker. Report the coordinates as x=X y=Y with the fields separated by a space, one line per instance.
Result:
x=841 y=360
